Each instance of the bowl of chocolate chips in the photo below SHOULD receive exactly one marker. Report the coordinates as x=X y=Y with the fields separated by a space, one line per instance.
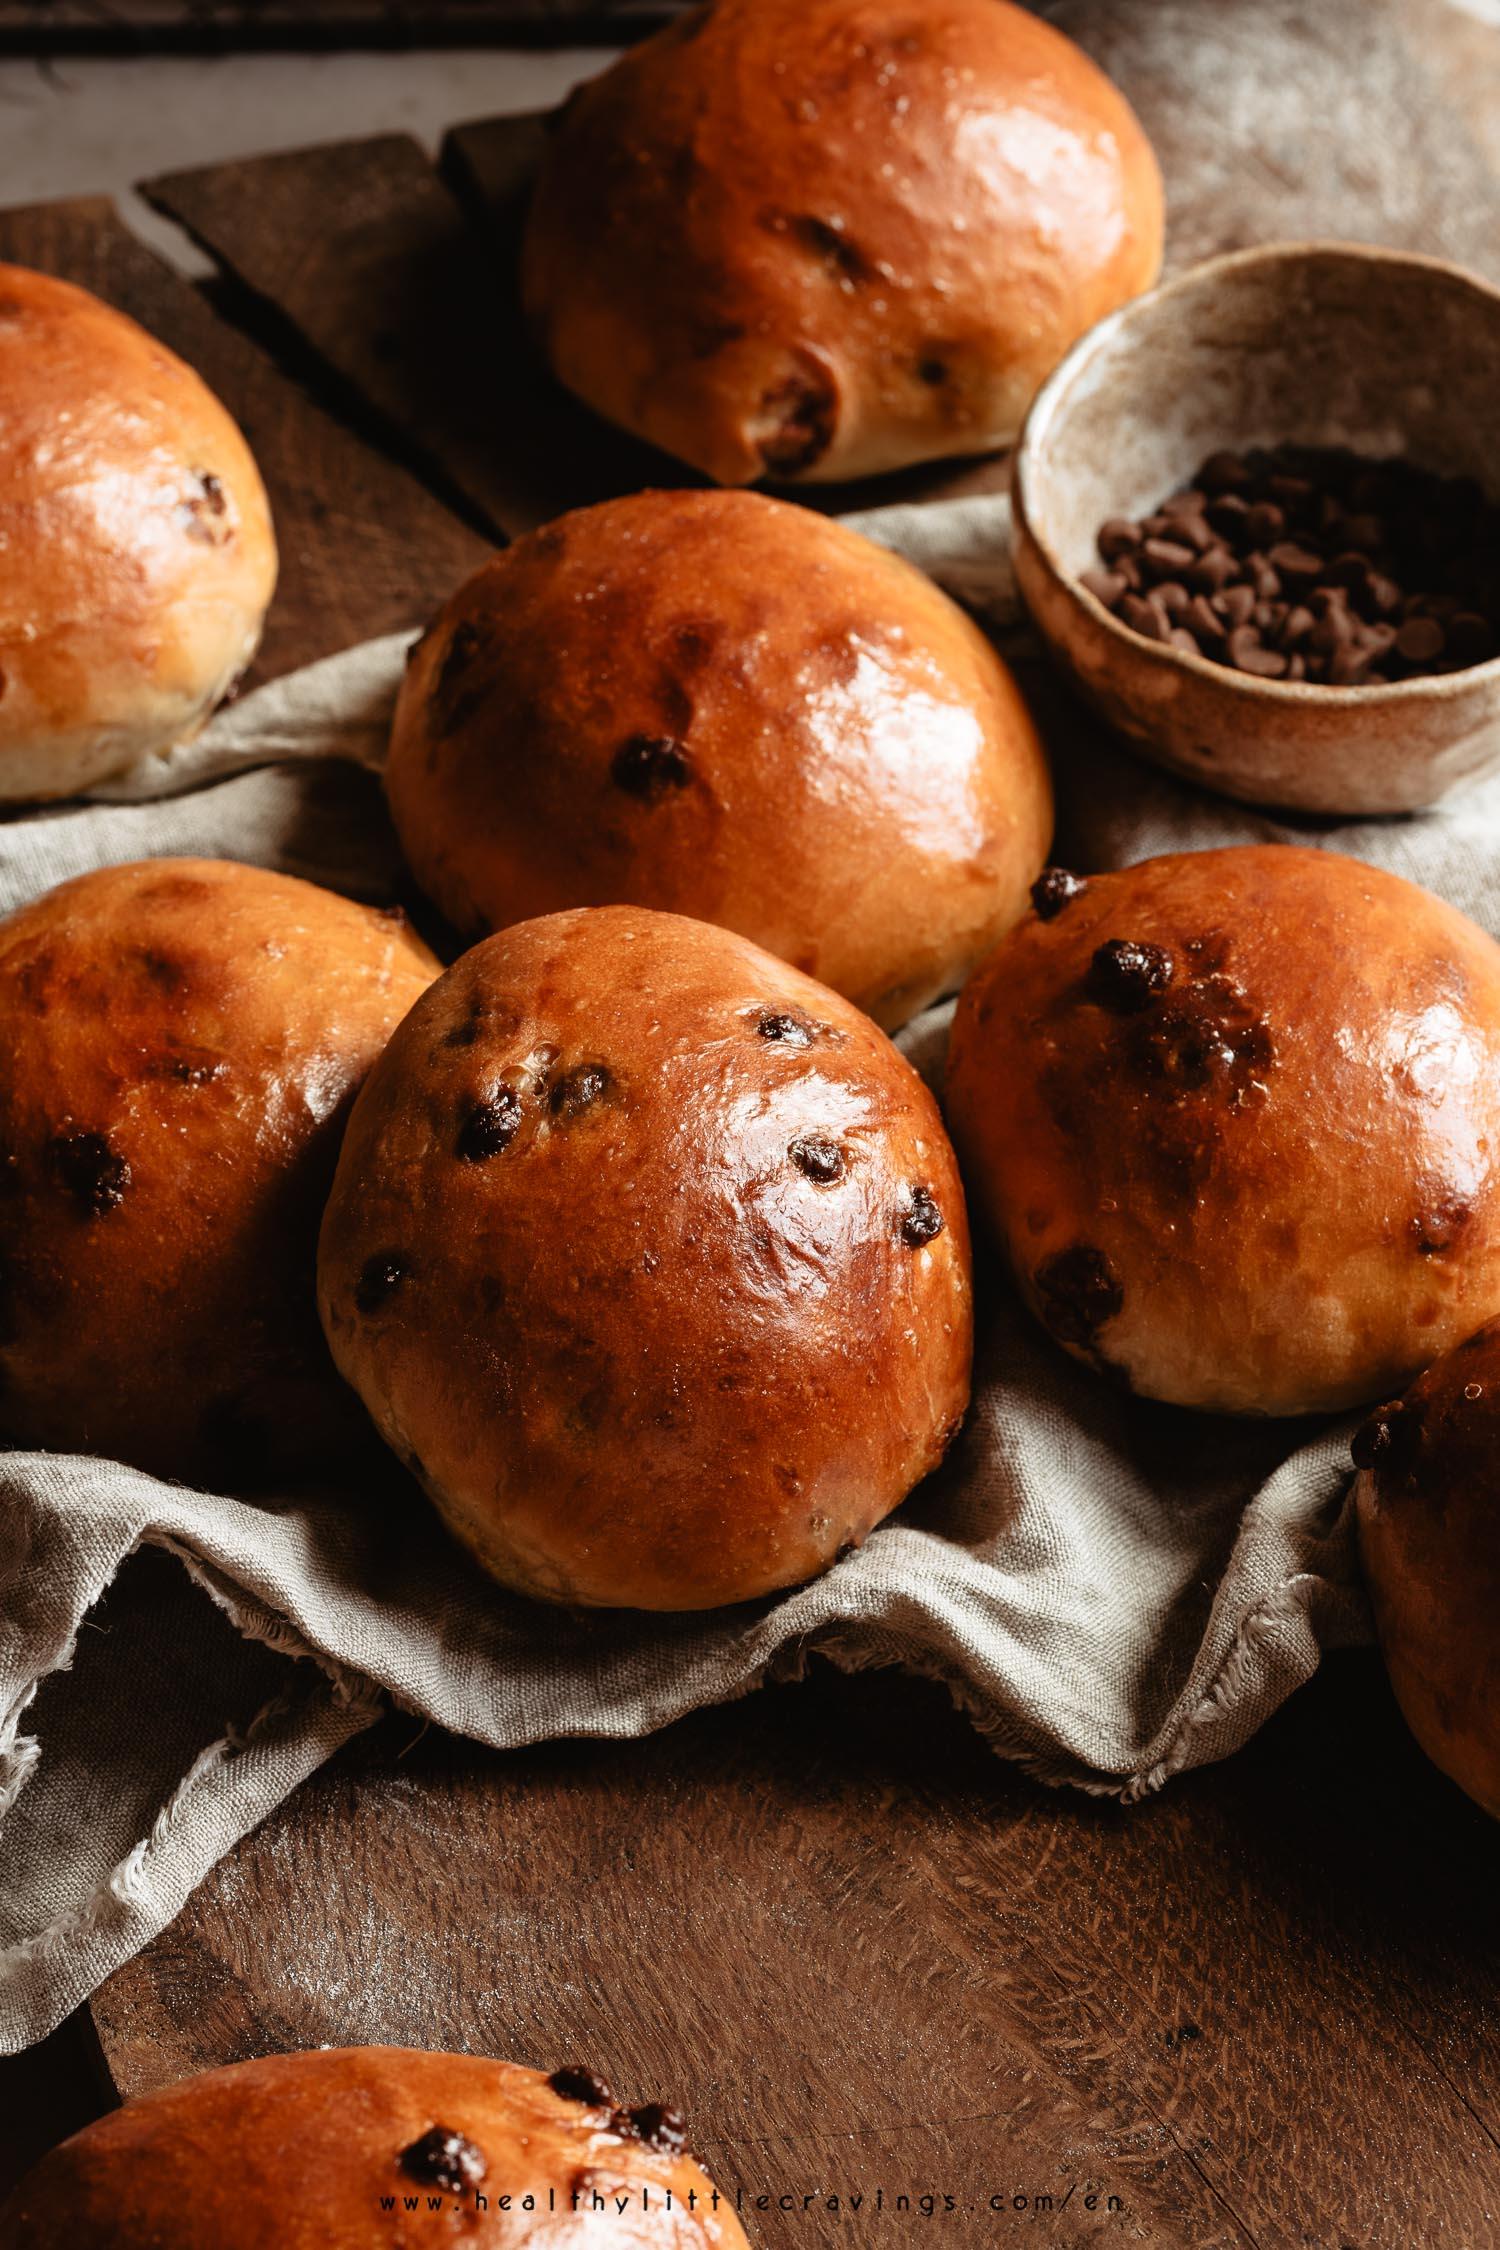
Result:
x=1258 y=522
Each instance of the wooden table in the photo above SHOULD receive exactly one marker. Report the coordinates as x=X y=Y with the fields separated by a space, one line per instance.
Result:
x=1260 y=2010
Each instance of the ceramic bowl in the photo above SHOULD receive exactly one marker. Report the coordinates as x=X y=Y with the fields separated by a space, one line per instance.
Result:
x=1323 y=343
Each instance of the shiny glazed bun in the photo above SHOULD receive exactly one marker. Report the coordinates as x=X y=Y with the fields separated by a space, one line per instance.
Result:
x=648 y=1256
x=1233 y=1114
x=1428 y=1500
x=822 y=238
x=182 y=1039
x=716 y=704
x=136 y=552
x=374 y=2148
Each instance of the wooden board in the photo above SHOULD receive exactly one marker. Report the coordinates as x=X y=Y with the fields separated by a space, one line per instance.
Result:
x=177 y=26
x=1262 y=2010
x=365 y=548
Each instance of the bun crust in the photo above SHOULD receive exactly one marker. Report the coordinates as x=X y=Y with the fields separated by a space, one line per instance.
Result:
x=721 y=706
x=824 y=238
x=182 y=1039
x=648 y=1256
x=322 y=2152
x=1232 y=1115
x=137 y=557
x=1428 y=1503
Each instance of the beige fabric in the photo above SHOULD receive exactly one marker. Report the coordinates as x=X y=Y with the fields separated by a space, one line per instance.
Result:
x=1112 y=1590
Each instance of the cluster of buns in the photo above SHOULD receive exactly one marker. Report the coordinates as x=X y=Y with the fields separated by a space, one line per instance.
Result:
x=1232 y=1117
x=369 y=2148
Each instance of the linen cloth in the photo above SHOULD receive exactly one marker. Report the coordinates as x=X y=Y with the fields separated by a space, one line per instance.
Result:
x=1112 y=1590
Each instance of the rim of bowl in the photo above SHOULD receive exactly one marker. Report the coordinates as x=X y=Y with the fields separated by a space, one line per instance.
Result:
x=1442 y=686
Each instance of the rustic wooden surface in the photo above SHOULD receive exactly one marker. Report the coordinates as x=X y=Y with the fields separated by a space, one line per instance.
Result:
x=1261 y=2010
x=177 y=26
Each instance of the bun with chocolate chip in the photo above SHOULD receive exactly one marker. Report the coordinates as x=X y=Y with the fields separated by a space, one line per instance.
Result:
x=1232 y=1115
x=370 y=2148
x=1428 y=1505
x=809 y=238
x=137 y=558
x=182 y=1040
x=648 y=1255
x=715 y=704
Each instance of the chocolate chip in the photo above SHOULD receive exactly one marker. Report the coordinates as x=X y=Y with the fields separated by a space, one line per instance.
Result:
x=1285 y=530
x=819 y=1160
x=651 y=766
x=827 y=240
x=456 y=695
x=801 y=411
x=1248 y=654
x=1164 y=558
x=1118 y=537
x=1420 y=640
x=445 y=2159
x=1055 y=888
x=379 y=1276
x=575 y=2083
x=490 y=1126
x=92 y=1172
x=921 y=1222
x=202 y=512
x=578 y=1090
x=1378 y=1442
x=1125 y=976
x=655 y=2123
x=786 y=1031
x=1079 y=1291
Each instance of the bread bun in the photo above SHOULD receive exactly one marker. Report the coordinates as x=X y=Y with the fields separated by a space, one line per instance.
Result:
x=719 y=705
x=1233 y=1115
x=648 y=1255
x=823 y=238
x=370 y=2148
x=182 y=1039
x=1428 y=1503
x=136 y=552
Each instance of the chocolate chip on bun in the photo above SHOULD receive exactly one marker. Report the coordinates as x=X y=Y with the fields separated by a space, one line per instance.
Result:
x=1232 y=1115
x=136 y=552
x=648 y=1255
x=716 y=704
x=182 y=1040
x=1428 y=1505
x=372 y=2148
x=821 y=238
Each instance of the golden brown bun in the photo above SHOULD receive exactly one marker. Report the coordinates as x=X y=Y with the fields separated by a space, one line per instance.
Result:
x=373 y=2148
x=719 y=705
x=648 y=1256
x=182 y=1039
x=1429 y=1531
x=1233 y=1116
x=822 y=238
x=136 y=552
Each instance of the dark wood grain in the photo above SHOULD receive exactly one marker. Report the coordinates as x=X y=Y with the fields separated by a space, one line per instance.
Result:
x=365 y=548
x=362 y=250
x=1260 y=2010
x=213 y=26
